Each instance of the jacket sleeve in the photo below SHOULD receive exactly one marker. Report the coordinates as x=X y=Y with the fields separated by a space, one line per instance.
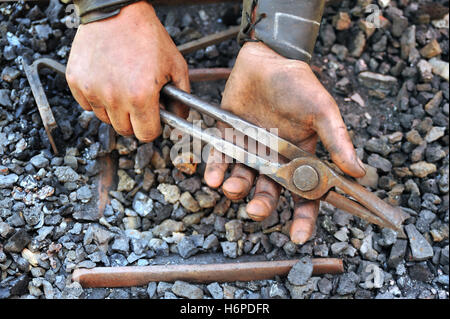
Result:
x=289 y=27
x=94 y=10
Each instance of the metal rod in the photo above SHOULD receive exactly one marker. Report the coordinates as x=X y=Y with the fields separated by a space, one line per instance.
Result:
x=209 y=40
x=213 y=74
x=131 y=276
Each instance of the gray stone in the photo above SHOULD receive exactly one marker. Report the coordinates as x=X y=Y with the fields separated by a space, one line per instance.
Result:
x=342 y=234
x=444 y=256
x=84 y=194
x=4 y=98
x=420 y=272
x=338 y=248
x=420 y=248
x=144 y=154
x=278 y=239
x=142 y=204
x=234 y=230
x=98 y=234
x=229 y=249
x=426 y=217
x=380 y=82
x=347 y=283
x=389 y=237
x=210 y=242
x=17 y=242
x=379 y=162
x=186 y=290
x=186 y=247
x=325 y=286
x=66 y=174
x=71 y=161
x=435 y=133
x=189 y=202
x=408 y=41
x=126 y=183
x=190 y=185
x=366 y=248
x=379 y=146
x=121 y=244
x=167 y=227
x=39 y=161
x=301 y=272
x=163 y=287
x=215 y=290
x=151 y=289
x=9 y=74
x=107 y=137
x=7 y=181
x=171 y=193
x=206 y=199
x=5 y=229
x=278 y=291
x=160 y=247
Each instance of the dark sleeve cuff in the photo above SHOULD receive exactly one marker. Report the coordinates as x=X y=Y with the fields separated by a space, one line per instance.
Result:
x=95 y=10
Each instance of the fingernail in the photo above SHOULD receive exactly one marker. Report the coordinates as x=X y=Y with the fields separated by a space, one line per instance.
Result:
x=361 y=164
x=299 y=237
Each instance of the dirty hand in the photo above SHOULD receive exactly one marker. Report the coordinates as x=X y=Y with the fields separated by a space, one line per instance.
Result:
x=118 y=66
x=274 y=92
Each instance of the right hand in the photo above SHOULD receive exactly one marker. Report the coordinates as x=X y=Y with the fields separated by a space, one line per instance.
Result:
x=284 y=94
x=118 y=66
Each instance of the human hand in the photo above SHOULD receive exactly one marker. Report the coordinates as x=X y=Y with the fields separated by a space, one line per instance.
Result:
x=271 y=91
x=118 y=66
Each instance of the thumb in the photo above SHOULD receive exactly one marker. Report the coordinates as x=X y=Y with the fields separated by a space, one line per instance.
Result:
x=333 y=133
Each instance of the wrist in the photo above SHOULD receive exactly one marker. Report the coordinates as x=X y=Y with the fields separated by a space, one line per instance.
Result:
x=96 y=10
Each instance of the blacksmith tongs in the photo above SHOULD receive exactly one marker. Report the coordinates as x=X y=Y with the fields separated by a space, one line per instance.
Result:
x=305 y=175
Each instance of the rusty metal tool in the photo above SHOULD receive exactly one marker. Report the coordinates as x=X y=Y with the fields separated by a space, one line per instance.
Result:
x=130 y=276
x=208 y=40
x=305 y=175
x=32 y=73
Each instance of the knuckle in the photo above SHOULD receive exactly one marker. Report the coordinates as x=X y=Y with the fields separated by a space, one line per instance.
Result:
x=71 y=78
x=138 y=95
x=123 y=132
x=109 y=97
x=146 y=137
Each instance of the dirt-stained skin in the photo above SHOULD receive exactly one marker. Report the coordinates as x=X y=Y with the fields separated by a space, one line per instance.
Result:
x=274 y=92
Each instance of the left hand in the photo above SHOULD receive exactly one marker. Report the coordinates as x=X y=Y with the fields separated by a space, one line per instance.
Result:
x=274 y=92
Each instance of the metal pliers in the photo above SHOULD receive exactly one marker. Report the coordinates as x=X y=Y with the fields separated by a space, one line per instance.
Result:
x=305 y=175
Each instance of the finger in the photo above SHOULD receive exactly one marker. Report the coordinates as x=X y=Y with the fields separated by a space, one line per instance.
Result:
x=265 y=200
x=215 y=169
x=120 y=120
x=333 y=133
x=119 y=117
x=98 y=108
x=239 y=184
x=78 y=96
x=304 y=221
x=145 y=119
x=180 y=79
